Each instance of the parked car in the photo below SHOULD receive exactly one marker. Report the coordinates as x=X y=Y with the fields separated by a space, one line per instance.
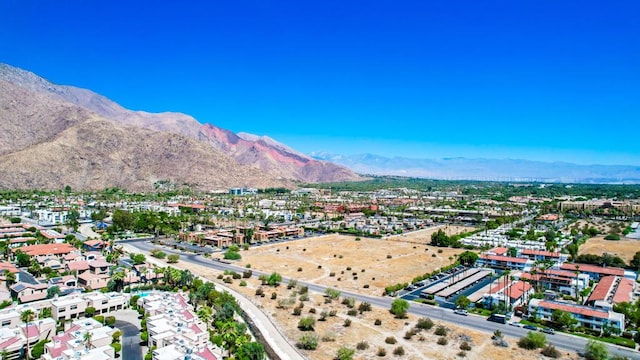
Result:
x=530 y=327
x=461 y=312
x=548 y=331
x=515 y=323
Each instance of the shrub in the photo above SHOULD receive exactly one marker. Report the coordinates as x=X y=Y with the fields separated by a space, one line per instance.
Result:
x=247 y=274
x=323 y=315
x=390 y=340
x=365 y=306
x=399 y=351
x=232 y=255
x=465 y=346
x=116 y=347
x=110 y=320
x=347 y=323
x=307 y=342
x=362 y=345
x=381 y=352
x=259 y=291
x=595 y=351
x=299 y=269
x=378 y=322
x=243 y=283
x=328 y=337
x=399 y=308
x=333 y=312
x=307 y=323
x=425 y=323
x=551 y=351
x=389 y=256
x=366 y=286
x=442 y=341
x=461 y=354
x=291 y=284
x=344 y=353
x=441 y=331
x=533 y=340
x=274 y=296
x=89 y=311
x=433 y=255
x=612 y=237
x=408 y=335
x=297 y=311
x=349 y=302
x=348 y=268
x=227 y=280
x=352 y=312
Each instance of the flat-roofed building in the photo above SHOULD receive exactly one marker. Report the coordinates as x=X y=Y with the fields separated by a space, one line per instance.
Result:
x=595 y=272
x=504 y=262
x=72 y=344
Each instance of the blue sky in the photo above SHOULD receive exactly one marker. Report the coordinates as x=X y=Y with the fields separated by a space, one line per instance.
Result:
x=544 y=80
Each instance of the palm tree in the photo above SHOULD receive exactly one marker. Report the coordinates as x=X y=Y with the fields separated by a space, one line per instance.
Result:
x=118 y=277
x=27 y=317
x=87 y=340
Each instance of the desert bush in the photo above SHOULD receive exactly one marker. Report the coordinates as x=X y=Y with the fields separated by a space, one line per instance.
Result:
x=425 y=323
x=441 y=331
x=461 y=354
x=307 y=342
x=259 y=291
x=243 y=283
x=390 y=340
x=465 y=346
x=551 y=351
x=533 y=340
x=408 y=335
x=442 y=341
x=328 y=337
x=362 y=345
x=347 y=323
x=307 y=323
x=323 y=315
x=381 y=352
x=352 y=312
x=274 y=296
x=297 y=311
x=333 y=312
x=378 y=322
x=365 y=306
x=399 y=351
x=312 y=311
x=344 y=353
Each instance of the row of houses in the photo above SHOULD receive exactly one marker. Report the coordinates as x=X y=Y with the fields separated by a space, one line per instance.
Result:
x=15 y=335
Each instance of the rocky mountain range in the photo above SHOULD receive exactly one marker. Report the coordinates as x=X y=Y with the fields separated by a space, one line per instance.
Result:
x=460 y=168
x=54 y=135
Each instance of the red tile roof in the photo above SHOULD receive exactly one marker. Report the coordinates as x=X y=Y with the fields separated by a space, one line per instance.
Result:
x=624 y=292
x=8 y=266
x=531 y=252
x=574 y=309
x=46 y=249
x=207 y=354
x=518 y=289
x=78 y=265
x=585 y=268
x=499 y=250
x=504 y=258
x=602 y=289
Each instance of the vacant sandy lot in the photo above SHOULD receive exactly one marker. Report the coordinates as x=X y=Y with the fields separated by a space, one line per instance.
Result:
x=366 y=266
x=333 y=334
x=625 y=248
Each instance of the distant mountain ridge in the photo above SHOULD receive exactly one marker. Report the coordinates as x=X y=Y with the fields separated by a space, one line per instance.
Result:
x=50 y=131
x=459 y=168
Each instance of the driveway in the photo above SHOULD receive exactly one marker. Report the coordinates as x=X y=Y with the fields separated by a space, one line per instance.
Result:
x=127 y=321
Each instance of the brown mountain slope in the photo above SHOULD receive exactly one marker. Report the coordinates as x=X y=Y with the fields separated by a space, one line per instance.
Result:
x=260 y=152
x=98 y=153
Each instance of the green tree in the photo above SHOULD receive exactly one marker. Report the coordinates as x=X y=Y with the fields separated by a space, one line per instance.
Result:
x=274 y=279
x=173 y=258
x=23 y=259
x=468 y=258
x=440 y=238
x=399 y=308
x=138 y=258
x=595 y=350
x=251 y=351
x=463 y=302
x=563 y=319
x=53 y=291
x=73 y=219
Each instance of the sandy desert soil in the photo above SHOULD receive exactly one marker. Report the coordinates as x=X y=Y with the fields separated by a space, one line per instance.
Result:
x=624 y=248
x=365 y=265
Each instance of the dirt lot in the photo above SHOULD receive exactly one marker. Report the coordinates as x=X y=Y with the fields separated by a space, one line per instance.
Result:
x=333 y=334
x=625 y=248
x=366 y=266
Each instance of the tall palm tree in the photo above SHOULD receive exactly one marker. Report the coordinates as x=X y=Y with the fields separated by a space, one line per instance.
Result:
x=27 y=317
x=87 y=340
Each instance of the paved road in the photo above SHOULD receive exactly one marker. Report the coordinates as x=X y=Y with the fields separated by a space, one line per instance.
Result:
x=127 y=321
x=560 y=340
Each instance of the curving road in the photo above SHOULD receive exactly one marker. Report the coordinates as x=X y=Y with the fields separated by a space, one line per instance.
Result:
x=560 y=340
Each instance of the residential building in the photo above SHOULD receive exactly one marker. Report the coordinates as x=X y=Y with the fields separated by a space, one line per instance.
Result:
x=562 y=281
x=13 y=339
x=611 y=290
x=542 y=255
x=91 y=281
x=26 y=292
x=75 y=344
x=588 y=317
x=595 y=272
x=514 y=292
x=504 y=262
x=58 y=250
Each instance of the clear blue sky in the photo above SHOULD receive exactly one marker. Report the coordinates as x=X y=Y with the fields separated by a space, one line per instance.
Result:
x=548 y=80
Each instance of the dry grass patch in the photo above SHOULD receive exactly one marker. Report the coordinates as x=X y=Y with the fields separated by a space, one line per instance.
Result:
x=625 y=248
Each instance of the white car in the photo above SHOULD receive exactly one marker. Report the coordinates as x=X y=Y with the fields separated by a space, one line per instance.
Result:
x=460 y=312
x=515 y=323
